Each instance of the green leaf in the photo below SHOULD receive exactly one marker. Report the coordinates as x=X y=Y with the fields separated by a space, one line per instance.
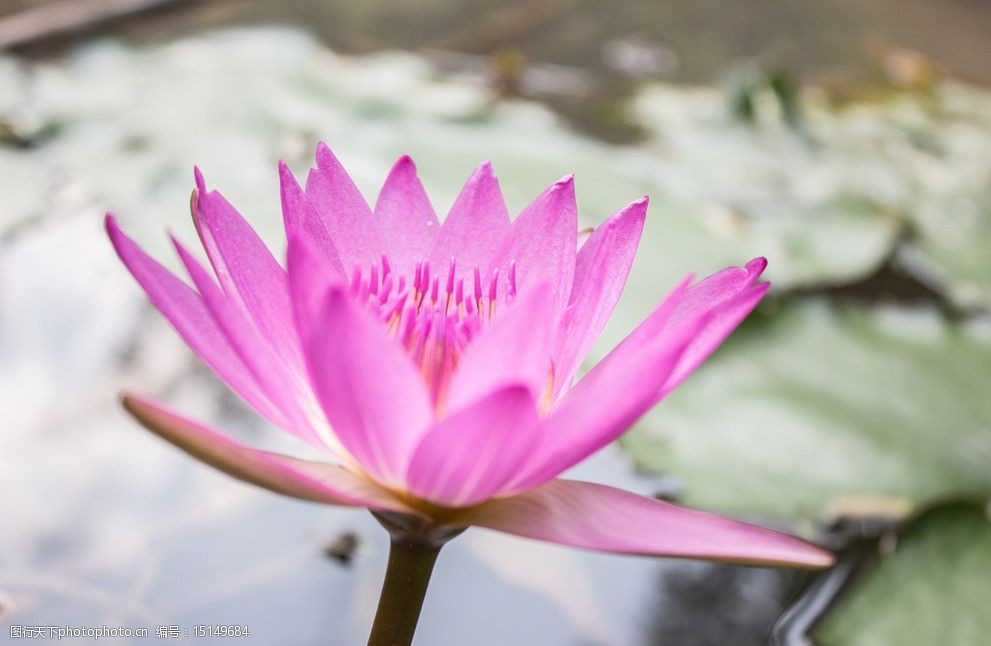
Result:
x=817 y=406
x=951 y=247
x=906 y=163
x=933 y=589
x=821 y=204
x=950 y=210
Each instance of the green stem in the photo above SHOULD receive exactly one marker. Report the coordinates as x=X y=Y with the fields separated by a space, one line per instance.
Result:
x=406 y=578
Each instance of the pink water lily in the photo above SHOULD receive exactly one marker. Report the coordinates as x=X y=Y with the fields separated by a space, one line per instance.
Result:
x=434 y=363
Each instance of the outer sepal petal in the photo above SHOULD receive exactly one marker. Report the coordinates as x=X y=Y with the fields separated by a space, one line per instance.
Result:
x=313 y=481
x=183 y=307
x=597 y=517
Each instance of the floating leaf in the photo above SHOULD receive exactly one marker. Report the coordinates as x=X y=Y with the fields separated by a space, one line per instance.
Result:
x=816 y=406
x=830 y=200
x=822 y=206
x=953 y=247
x=932 y=590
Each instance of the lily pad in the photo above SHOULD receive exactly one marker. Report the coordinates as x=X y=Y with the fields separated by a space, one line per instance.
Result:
x=818 y=202
x=952 y=245
x=918 y=163
x=932 y=590
x=817 y=406
x=951 y=213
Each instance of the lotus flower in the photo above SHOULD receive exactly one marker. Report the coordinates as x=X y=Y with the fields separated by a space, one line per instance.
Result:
x=434 y=363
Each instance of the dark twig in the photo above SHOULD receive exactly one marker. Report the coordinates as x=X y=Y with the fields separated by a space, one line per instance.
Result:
x=63 y=18
x=859 y=544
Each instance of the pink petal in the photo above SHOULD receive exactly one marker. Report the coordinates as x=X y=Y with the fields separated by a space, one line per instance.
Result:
x=313 y=481
x=543 y=242
x=344 y=213
x=604 y=404
x=475 y=226
x=718 y=288
x=725 y=318
x=301 y=220
x=375 y=400
x=187 y=313
x=282 y=382
x=310 y=276
x=601 y=270
x=405 y=217
x=686 y=304
x=247 y=271
x=513 y=349
x=633 y=378
x=471 y=454
x=596 y=517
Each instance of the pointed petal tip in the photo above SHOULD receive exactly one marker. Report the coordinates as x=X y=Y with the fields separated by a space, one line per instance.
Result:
x=200 y=182
x=756 y=266
x=404 y=162
x=136 y=405
x=636 y=210
x=796 y=553
x=185 y=256
x=633 y=214
x=564 y=188
x=404 y=166
x=117 y=236
x=819 y=557
x=325 y=156
x=287 y=180
x=481 y=175
x=131 y=403
x=194 y=200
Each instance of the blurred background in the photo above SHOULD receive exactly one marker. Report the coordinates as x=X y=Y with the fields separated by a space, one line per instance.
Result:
x=847 y=141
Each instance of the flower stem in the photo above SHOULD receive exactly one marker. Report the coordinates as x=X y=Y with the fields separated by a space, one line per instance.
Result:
x=407 y=575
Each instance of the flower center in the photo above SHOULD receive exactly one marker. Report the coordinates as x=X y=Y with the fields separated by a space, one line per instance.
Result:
x=433 y=315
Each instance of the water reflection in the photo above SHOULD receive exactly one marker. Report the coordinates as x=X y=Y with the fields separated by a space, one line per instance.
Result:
x=702 y=604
